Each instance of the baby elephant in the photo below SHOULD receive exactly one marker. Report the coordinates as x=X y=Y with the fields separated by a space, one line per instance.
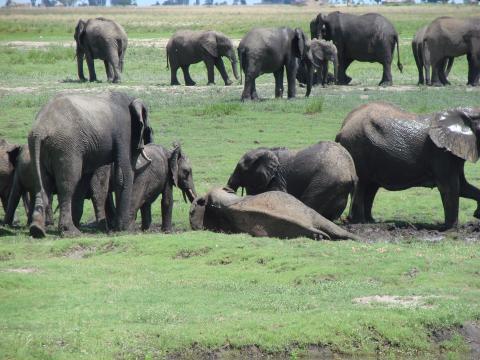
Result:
x=273 y=214
x=321 y=53
x=190 y=47
x=321 y=176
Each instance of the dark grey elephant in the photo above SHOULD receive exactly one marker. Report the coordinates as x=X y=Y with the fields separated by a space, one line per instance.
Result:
x=396 y=150
x=370 y=37
x=8 y=153
x=322 y=52
x=272 y=51
x=273 y=214
x=74 y=135
x=102 y=39
x=448 y=37
x=190 y=47
x=417 y=49
x=321 y=176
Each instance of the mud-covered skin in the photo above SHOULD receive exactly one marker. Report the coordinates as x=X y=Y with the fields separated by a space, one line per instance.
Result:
x=396 y=150
x=321 y=176
x=188 y=47
x=367 y=38
x=272 y=214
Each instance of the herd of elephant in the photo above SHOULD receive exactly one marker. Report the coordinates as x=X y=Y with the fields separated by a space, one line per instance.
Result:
x=340 y=38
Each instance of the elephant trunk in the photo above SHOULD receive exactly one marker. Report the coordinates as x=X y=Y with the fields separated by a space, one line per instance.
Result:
x=190 y=194
x=234 y=62
x=310 y=70
x=233 y=183
x=335 y=69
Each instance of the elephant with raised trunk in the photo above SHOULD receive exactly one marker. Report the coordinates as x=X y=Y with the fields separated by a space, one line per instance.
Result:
x=73 y=136
x=273 y=214
x=322 y=53
x=188 y=47
x=321 y=176
x=368 y=38
x=448 y=37
x=397 y=150
x=102 y=39
x=274 y=51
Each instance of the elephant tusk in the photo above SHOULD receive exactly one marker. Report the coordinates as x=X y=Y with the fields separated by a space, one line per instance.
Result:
x=145 y=156
x=192 y=195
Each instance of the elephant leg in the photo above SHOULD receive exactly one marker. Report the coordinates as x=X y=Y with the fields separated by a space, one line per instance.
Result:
x=449 y=191
x=123 y=189
x=209 y=63
x=31 y=208
x=91 y=68
x=221 y=68
x=418 y=56
x=13 y=200
x=291 y=70
x=186 y=76
x=387 y=74
x=469 y=191
x=324 y=73
x=254 y=90
x=441 y=72
x=114 y=62
x=435 y=74
x=67 y=177
x=108 y=70
x=248 y=87
x=49 y=209
x=357 y=207
x=99 y=186
x=146 y=212
x=278 y=83
x=343 y=78
x=78 y=200
x=370 y=192
x=173 y=75
x=110 y=211
x=167 y=209
x=475 y=67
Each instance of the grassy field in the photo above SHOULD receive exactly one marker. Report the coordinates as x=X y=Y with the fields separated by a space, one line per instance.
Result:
x=192 y=294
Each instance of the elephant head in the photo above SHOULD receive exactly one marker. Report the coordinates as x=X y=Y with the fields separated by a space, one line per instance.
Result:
x=255 y=171
x=141 y=130
x=181 y=173
x=217 y=44
x=320 y=27
x=79 y=34
x=458 y=131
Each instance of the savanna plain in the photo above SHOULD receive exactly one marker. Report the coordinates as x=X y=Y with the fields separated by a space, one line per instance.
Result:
x=409 y=291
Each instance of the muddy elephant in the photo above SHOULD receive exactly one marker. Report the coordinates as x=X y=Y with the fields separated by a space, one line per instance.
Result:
x=190 y=47
x=321 y=176
x=102 y=39
x=114 y=128
x=274 y=51
x=448 y=37
x=367 y=38
x=272 y=214
x=417 y=49
x=322 y=52
x=397 y=150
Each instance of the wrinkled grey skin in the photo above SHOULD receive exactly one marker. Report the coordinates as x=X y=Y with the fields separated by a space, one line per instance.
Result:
x=322 y=52
x=190 y=47
x=368 y=38
x=417 y=49
x=448 y=37
x=272 y=214
x=321 y=176
x=102 y=39
x=397 y=150
x=8 y=153
x=74 y=135
x=272 y=51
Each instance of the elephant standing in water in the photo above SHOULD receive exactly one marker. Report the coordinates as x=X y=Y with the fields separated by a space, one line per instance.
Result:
x=190 y=47
x=273 y=214
x=370 y=37
x=114 y=128
x=103 y=39
x=272 y=51
x=397 y=150
x=321 y=176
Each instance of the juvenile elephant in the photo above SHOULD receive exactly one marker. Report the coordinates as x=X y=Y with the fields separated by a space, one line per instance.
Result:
x=102 y=39
x=8 y=152
x=322 y=52
x=448 y=37
x=321 y=176
x=190 y=47
x=369 y=38
x=73 y=136
x=272 y=51
x=273 y=214
x=396 y=150
x=417 y=49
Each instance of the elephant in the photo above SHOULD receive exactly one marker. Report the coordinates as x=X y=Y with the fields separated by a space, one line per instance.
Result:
x=321 y=176
x=322 y=52
x=417 y=49
x=397 y=150
x=368 y=38
x=273 y=50
x=448 y=37
x=102 y=39
x=8 y=153
x=72 y=136
x=272 y=214
x=190 y=47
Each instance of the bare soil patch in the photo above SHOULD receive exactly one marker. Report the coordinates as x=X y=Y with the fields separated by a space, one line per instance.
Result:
x=22 y=270
x=394 y=301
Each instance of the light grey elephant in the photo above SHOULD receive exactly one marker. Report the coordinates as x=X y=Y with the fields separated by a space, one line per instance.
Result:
x=323 y=52
x=273 y=214
x=102 y=39
x=188 y=47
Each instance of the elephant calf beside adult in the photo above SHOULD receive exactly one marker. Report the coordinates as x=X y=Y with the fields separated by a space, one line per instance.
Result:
x=187 y=47
x=369 y=38
x=396 y=150
x=322 y=52
x=321 y=176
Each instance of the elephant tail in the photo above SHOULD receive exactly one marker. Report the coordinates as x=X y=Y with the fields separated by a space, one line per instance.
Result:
x=34 y=142
x=168 y=66
x=241 y=60
x=399 y=64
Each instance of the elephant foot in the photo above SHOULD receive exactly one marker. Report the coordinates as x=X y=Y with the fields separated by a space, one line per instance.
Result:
x=210 y=83
x=37 y=231
x=344 y=82
x=193 y=83
x=82 y=79
x=102 y=225
x=476 y=214
x=69 y=231
x=228 y=82
x=385 y=83
x=93 y=79
x=437 y=84
x=167 y=230
x=174 y=83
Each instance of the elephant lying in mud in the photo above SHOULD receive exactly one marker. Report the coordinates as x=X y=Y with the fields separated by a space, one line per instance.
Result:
x=397 y=150
x=272 y=214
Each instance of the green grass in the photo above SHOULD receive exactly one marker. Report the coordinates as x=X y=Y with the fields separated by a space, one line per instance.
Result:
x=142 y=295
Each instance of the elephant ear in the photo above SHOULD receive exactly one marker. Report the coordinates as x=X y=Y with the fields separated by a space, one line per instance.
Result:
x=265 y=168
x=209 y=43
x=173 y=163
x=13 y=153
x=455 y=130
x=299 y=42
x=141 y=130
x=80 y=30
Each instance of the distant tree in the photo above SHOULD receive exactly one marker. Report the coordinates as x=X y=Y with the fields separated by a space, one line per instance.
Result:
x=121 y=2
x=197 y=2
x=33 y=2
x=97 y=2
x=243 y=2
x=49 y=3
x=67 y=2
x=208 y=2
